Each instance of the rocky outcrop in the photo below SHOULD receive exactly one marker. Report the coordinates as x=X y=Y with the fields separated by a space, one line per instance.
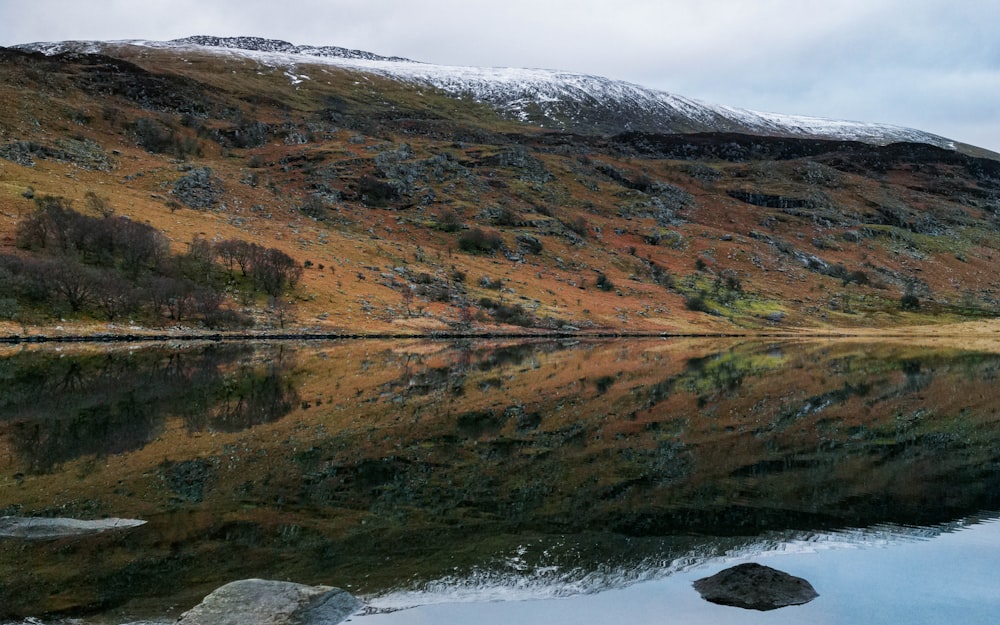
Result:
x=84 y=153
x=266 y=602
x=199 y=189
x=770 y=201
x=260 y=44
x=755 y=587
x=41 y=528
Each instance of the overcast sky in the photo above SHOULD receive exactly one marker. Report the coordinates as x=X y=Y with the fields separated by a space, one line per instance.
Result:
x=928 y=64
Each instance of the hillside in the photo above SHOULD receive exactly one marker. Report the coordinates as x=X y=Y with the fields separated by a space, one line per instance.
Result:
x=413 y=206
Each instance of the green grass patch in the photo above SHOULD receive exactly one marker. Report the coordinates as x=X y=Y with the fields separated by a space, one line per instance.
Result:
x=726 y=298
x=898 y=240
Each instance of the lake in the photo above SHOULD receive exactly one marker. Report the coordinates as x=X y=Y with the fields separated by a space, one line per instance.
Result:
x=454 y=482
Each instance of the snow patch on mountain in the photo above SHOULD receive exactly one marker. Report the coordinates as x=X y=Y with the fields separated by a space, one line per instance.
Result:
x=259 y=44
x=549 y=98
x=296 y=79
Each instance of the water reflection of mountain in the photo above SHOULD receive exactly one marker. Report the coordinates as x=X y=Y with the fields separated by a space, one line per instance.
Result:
x=400 y=463
x=735 y=441
x=56 y=407
x=548 y=570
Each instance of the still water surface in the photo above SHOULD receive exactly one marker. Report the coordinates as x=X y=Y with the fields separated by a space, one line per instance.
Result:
x=886 y=576
x=583 y=482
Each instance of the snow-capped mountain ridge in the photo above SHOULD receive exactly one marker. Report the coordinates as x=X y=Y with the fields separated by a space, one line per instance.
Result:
x=260 y=44
x=549 y=98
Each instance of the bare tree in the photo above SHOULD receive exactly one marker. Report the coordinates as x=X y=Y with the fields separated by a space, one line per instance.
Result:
x=47 y=226
x=234 y=252
x=199 y=261
x=207 y=304
x=114 y=297
x=173 y=296
x=280 y=311
x=100 y=205
x=74 y=282
x=466 y=315
x=273 y=271
x=140 y=245
x=408 y=295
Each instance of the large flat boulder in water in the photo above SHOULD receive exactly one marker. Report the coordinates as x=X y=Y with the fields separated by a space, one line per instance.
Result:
x=755 y=587
x=265 y=602
x=40 y=528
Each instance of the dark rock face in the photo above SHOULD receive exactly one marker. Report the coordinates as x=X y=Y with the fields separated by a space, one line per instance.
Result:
x=188 y=478
x=770 y=201
x=755 y=587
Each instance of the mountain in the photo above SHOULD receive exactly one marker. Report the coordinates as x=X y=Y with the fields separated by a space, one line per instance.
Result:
x=551 y=99
x=380 y=194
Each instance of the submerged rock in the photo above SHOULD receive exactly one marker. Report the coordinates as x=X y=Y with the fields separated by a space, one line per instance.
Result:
x=755 y=587
x=39 y=528
x=265 y=602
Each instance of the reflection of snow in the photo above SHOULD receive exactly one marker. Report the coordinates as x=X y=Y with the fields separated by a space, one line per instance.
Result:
x=951 y=579
x=514 y=579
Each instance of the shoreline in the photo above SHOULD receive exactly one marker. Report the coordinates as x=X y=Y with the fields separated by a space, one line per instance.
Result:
x=971 y=330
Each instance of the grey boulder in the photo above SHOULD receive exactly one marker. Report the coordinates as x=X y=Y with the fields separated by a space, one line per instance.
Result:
x=42 y=528
x=755 y=587
x=265 y=602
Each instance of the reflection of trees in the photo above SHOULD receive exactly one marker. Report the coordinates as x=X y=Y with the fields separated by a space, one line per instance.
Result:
x=55 y=408
x=419 y=379
x=117 y=426
x=251 y=396
x=512 y=355
x=428 y=380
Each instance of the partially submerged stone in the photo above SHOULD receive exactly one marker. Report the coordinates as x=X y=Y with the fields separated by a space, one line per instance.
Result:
x=265 y=602
x=755 y=587
x=40 y=528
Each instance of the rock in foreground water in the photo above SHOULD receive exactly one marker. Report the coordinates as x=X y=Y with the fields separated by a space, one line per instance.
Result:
x=755 y=587
x=40 y=528
x=265 y=602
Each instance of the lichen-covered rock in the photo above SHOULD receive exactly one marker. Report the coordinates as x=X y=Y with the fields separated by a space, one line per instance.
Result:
x=84 y=153
x=755 y=587
x=20 y=152
x=266 y=602
x=529 y=244
x=199 y=189
x=528 y=167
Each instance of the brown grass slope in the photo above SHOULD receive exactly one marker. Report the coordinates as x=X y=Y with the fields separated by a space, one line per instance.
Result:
x=413 y=211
